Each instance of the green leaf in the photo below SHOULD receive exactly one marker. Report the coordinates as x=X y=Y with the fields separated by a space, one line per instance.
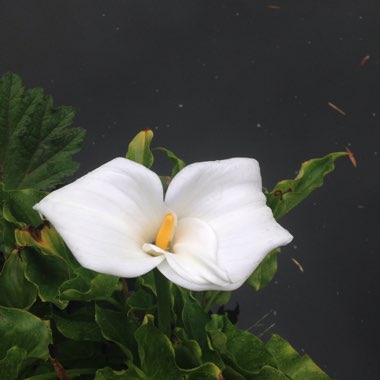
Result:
x=46 y=239
x=47 y=273
x=77 y=373
x=215 y=297
x=156 y=352
x=146 y=281
x=270 y=373
x=178 y=164
x=78 y=325
x=86 y=354
x=296 y=367
x=265 y=272
x=188 y=353
x=11 y=364
x=289 y=193
x=90 y=286
x=18 y=205
x=141 y=302
x=36 y=140
x=24 y=339
x=157 y=356
x=17 y=211
x=194 y=320
x=49 y=264
x=16 y=290
x=117 y=327
x=139 y=148
x=7 y=240
x=109 y=374
x=242 y=350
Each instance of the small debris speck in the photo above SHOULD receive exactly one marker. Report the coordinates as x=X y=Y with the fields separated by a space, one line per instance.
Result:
x=258 y=125
x=180 y=105
x=104 y=15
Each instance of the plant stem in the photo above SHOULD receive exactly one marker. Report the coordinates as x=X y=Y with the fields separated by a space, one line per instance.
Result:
x=163 y=302
x=210 y=301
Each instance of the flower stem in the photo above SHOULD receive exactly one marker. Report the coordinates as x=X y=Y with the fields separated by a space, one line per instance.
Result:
x=210 y=301
x=163 y=302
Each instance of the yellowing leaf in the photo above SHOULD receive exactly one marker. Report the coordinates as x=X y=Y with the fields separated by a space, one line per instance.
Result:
x=139 y=148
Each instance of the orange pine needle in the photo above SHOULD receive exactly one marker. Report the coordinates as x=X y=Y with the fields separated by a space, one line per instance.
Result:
x=352 y=158
x=364 y=60
x=297 y=264
x=336 y=108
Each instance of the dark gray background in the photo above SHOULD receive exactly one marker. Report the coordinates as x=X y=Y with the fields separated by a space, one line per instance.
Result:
x=218 y=79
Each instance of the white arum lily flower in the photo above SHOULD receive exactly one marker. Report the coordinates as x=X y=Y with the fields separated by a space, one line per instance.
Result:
x=209 y=233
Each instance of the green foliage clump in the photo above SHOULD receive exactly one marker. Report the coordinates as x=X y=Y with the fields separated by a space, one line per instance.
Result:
x=58 y=319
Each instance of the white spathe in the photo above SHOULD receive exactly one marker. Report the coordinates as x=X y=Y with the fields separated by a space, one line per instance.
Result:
x=110 y=218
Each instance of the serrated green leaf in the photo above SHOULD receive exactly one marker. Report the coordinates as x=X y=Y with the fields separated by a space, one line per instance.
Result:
x=78 y=325
x=90 y=286
x=36 y=140
x=118 y=327
x=243 y=351
x=178 y=164
x=24 y=337
x=139 y=148
x=295 y=366
x=16 y=290
x=289 y=193
x=265 y=272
